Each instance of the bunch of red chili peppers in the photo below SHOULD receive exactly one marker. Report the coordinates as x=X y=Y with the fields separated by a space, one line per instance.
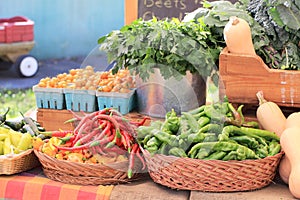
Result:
x=104 y=132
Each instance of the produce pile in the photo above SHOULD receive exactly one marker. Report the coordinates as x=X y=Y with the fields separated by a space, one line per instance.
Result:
x=100 y=137
x=89 y=79
x=215 y=131
x=16 y=134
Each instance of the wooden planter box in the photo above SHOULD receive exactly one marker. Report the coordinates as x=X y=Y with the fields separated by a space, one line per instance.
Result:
x=242 y=76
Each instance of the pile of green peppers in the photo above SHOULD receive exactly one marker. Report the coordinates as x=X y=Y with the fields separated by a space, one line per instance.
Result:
x=213 y=132
x=22 y=124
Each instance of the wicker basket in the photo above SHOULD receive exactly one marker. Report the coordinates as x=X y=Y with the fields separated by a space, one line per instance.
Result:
x=86 y=174
x=18 y=162
x=211 y=175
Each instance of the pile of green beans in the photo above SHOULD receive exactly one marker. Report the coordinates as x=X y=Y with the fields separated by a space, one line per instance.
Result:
x=214 y=132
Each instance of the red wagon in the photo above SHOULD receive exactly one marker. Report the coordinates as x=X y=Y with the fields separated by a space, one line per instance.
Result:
x=16 y=41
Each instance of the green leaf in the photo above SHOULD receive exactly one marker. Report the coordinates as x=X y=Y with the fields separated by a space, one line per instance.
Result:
x=290 y=18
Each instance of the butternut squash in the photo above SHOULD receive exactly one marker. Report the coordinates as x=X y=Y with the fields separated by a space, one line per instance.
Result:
x=237 y=36
x=270 y=116
x=284 y=169
x=293 y=120
x=290 y=140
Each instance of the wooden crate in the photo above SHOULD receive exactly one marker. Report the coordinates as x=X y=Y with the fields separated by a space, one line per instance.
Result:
x=241 y=77
x=53 y=119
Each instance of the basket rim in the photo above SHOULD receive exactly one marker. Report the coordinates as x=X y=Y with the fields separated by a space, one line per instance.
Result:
x=40 y=154
x=15 y=156
x=146 y=152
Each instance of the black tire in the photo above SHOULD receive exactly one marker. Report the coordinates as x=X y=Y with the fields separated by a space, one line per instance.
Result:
x=27 y=66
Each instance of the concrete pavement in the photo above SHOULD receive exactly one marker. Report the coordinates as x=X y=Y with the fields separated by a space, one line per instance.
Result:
x=9 y=78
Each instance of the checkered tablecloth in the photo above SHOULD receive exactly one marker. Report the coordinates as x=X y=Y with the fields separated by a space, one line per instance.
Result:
x=33 y=185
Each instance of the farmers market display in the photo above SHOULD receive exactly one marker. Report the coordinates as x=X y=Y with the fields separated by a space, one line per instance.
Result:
x=213 y=147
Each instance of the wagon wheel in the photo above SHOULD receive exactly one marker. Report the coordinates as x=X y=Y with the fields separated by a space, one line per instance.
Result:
x=26 y=65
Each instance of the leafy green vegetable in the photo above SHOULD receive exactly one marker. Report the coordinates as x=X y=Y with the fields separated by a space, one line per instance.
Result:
x=172 y=46
x=281 y=21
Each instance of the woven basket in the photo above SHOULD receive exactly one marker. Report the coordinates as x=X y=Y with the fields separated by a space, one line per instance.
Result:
x=211 y=175
x=86 y=174
x=17 y=163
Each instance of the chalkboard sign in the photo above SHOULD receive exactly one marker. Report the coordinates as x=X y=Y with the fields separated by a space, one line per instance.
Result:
x=167 y=8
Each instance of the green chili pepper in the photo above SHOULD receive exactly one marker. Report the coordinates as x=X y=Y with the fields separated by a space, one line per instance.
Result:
x=262 y=151
x=174 y=141
x=218 y=155
x=152 y=149
x=246 y=141
x=223 y=146
x=153 y=141
x=195 y=137
x=232 y=155
x=252 y=132
x=143 y=131
x=162 y=136
x=210 y=137
x=259 y=132
x=239 y=111
x=202 y=121
x=212 y=128
x=175 y=151
x=192 y=122
x=171 y=123
x=201 y=154
x=199 y=115
x=213 y=113
x=274 y=148
x=197 y=110
x=163 y=149
x=252 y=124
x=146 y=139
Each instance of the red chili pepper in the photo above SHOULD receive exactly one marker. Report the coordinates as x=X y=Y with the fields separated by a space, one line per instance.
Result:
x=140 y=123
x=86 y=138
x=141 y=158
x=109 y=118
x=57 y=133
x=68 y=138
x=104 y=132
x=131 y=160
